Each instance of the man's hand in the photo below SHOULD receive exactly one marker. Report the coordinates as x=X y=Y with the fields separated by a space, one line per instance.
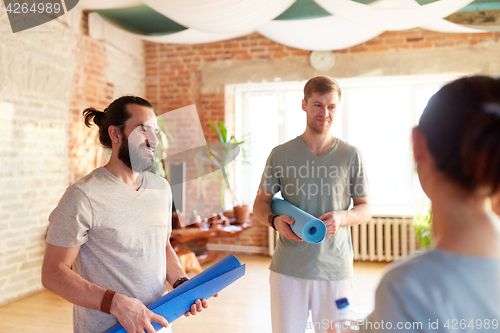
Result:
x=198 y=306
x=282 y=224
x=135 y=316
x=332 y=220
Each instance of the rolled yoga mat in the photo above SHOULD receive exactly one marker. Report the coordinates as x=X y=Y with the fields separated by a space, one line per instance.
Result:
x=306 y=226
x=203 y=286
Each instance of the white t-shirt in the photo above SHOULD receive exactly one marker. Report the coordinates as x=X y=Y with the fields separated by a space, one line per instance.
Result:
x=123 y=238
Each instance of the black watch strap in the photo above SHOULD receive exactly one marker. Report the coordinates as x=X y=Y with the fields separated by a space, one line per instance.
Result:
x=271 y=220
x=180 y=281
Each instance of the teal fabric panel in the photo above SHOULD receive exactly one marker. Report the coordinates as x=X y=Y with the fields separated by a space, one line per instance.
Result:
x=141 y=20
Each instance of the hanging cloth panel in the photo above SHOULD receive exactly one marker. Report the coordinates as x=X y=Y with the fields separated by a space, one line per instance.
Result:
x=321 y=34
x=194 y=36
x=107 y=4
x=220 y=16
x=392 y=19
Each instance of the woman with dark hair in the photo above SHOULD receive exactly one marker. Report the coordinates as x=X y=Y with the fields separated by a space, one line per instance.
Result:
x=456 y=286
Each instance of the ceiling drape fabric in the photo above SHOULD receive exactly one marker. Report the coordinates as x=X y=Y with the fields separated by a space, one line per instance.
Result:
x=194 y=36
x=350 y=24
x=439 y=25
x=221 y=16
x=325 y=33
x=99 y=28
x=107 y=4
x=396 y=18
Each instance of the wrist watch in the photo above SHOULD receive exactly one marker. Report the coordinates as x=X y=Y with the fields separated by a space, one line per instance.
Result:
x=271 y=220
x=180 y=281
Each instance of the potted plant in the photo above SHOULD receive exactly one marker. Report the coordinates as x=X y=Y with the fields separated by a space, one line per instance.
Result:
x=423 y=227
x=221 y=154
x=163 y=137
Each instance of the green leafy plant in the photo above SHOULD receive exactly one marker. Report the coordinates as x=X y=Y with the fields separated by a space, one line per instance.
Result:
x=423 y=226
x=222 y=155
x=163 y=138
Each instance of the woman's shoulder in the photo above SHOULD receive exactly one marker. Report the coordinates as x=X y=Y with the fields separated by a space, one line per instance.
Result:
x=418 y=266
x=438 y=267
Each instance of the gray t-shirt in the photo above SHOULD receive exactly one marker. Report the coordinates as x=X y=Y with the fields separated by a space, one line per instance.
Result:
x=438 y=291
x=316 y=184
x=123 y=238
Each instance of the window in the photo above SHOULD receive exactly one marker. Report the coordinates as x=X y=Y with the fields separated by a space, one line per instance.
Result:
x=376 y=115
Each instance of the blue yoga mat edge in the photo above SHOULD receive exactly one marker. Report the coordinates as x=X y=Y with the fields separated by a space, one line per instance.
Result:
x=306 y=226
x=204 y=285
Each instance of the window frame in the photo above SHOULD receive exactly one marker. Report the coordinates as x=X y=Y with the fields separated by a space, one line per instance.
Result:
x=414 y=82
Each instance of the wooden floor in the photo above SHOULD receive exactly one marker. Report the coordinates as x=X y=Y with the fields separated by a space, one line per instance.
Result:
x=243 y=307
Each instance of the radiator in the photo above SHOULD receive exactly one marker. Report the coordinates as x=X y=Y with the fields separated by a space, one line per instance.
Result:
x=381 y=239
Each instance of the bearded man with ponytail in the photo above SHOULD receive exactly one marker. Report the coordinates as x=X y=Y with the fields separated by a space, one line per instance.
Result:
x=108 y=249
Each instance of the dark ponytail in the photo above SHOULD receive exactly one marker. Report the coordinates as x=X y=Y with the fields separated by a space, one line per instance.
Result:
x=462 y=125
x=482 y=151
x=115 y=114
x=92 y=113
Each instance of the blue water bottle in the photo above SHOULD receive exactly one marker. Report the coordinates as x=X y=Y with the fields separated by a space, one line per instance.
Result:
x=346 y=319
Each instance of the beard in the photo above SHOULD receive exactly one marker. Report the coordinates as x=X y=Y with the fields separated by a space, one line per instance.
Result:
x=318 y=129
x=132 y=156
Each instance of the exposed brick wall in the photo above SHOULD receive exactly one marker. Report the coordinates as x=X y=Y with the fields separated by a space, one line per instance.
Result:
x=90 y=89
x=179 y=75
x=417 y=39
x=102 y=74
x=49 y=75
x=256 y=236
x=36 y=70
x=33 y=175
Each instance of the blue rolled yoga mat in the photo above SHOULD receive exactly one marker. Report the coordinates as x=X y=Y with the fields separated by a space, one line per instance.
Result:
x=306 y=226
x=203 y=286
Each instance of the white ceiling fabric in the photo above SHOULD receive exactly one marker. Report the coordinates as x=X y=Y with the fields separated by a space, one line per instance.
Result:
x=107 y=4
x=220 y=16
x=194 y=36
x=325 y=33
x=401 y=17
x=351 y=24
x=100 y=28
x=336 y=32
x=439 y=25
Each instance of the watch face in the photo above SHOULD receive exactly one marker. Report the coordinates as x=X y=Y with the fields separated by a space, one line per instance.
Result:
x=322 y=60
